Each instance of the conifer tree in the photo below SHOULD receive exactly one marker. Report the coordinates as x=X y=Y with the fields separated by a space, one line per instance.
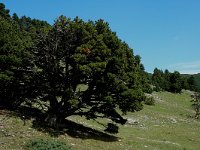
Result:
x=78 y=53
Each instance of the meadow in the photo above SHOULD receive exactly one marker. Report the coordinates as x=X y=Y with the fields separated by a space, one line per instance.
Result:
x=168 y=125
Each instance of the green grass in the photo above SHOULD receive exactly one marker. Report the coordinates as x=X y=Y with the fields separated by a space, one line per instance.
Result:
x=165 y=126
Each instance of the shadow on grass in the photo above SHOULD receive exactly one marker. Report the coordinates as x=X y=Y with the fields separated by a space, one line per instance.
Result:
x=75 y=130
x=68 y=127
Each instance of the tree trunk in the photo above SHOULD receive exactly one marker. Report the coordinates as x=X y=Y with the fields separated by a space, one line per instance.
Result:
x=53 y=120
x=54 y=117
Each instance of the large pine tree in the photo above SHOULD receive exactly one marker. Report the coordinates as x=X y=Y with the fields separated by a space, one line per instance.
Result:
x=71 y=68
x=77 y=53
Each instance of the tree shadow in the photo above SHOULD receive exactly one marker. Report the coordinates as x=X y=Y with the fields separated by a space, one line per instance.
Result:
x=68 y=127
x=75 y=130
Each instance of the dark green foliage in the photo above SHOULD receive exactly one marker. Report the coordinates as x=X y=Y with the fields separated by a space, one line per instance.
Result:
x=185 y=84
x=142 y=77
x=197 y=81
x=76 y=52
x=172 y=82
x=167 y=76
x=15 y=18
x=191 y=83
x=16 y=58
x=15 y=62
x=33 y=27
x=46 y=144
x=175 y=82
x=158 y=79
x=4 y=13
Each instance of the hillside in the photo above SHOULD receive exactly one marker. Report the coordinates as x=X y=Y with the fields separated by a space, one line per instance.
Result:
x=166 y=126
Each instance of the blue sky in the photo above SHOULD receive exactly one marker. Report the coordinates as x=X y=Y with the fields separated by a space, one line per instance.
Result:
x=165 y=33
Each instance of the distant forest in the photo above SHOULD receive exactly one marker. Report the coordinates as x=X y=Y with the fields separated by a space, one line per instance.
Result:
x=196 y=80
x=174 y=82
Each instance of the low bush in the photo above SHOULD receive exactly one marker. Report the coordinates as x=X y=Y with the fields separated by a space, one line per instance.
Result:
x=46 y=144
x=149 y=101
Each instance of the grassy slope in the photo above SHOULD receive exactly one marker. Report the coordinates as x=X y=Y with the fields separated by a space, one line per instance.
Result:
x=165 y=126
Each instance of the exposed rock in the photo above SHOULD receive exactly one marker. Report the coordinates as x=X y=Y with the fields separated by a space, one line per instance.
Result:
x=132 y=121
x=1 y=142
x=173 y=120
x=141 y=125
x=9 y=134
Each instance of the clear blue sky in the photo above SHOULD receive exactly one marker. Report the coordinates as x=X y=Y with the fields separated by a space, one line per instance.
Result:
x=165 y=33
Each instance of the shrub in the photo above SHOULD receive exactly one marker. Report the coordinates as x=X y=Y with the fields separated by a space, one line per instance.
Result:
x=46 y=144
x=156 y=89
x=149 y=101
x=196 y=104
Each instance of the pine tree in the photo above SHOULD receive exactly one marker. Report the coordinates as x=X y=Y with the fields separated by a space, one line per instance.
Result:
x=15 y=62
x=78 y=53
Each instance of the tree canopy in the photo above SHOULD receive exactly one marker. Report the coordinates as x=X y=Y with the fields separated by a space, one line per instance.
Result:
x=14 y=60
